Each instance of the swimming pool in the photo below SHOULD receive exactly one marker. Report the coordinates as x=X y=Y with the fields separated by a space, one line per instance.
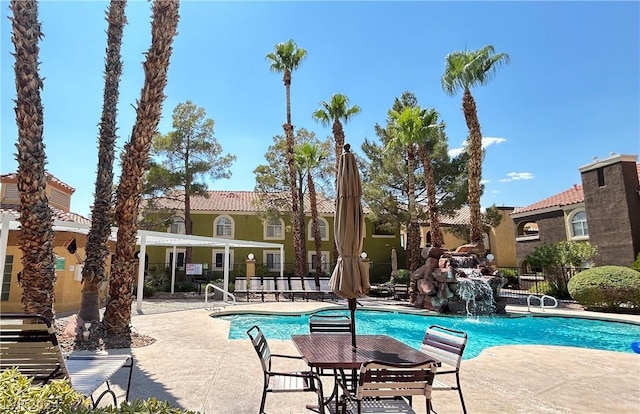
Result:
x=484 y=332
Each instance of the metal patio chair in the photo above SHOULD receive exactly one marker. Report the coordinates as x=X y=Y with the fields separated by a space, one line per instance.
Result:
x=278 y=381
x=388 y=388
x=446 y=345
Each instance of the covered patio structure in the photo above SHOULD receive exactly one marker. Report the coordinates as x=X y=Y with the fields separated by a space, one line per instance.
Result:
x=144 y=238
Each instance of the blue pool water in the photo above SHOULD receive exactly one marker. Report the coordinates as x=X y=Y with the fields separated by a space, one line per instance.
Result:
x=483 y=332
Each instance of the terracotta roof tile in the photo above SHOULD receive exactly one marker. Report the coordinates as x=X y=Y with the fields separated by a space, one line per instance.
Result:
x=241 y=201
x=574 y=195
x=14 y=210
x=50 y=177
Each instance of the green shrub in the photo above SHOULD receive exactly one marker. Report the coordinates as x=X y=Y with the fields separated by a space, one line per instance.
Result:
x=636 y=264
x=17 y=395
x=606 y=288
x=510 y=274
x=403 y=276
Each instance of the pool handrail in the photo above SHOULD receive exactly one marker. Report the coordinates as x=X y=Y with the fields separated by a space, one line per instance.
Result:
x=224 y=294
x=541 y=299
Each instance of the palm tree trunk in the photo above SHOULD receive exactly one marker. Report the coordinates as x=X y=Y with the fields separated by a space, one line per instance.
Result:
x=287 y=87
x=430 y=185
x=94 y=270
x=295 y=202
x=117 y=315
x=37 y=278
x=317 y=239
x=413 y=232
x=475 y=165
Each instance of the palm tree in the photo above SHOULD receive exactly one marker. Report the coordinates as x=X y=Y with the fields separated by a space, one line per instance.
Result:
x=406 y=132
x=286 y=58
x=93 y=272
x=335 y=112
x=464 y=70
x=309 y=157
x=164 y=25
x=37 y=278
x=430 y=125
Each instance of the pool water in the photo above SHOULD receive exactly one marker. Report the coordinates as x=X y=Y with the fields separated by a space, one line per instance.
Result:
x=484 y=332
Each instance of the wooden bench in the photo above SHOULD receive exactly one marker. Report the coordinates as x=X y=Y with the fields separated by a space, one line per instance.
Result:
x=29 y=343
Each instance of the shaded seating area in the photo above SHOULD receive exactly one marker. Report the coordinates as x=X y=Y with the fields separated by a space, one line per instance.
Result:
x=278 y=381
x=385 y=387
x=447 y=345
x=29 y=343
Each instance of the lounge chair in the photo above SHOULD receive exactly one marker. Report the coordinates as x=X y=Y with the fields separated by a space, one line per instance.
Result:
x=296 y=288
x=270 y=286
x=240 y=287
x=312 y=291
x=326 y=288
x=278 y=381
x=400 y=291
x=29 y=343
x=388 y=388
x=255 y=288
x=446 y=345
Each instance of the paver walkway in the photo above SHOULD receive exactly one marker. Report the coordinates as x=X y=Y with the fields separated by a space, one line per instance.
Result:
x=194 y=366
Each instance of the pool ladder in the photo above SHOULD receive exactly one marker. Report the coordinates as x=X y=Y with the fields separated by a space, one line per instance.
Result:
x=541 y=299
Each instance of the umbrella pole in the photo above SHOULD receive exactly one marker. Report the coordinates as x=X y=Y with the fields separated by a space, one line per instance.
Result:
x=352 y=309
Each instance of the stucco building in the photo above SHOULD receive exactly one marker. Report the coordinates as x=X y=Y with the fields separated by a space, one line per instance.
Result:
x=604 y=210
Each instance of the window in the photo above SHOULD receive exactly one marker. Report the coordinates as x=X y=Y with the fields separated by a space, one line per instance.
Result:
x=223 y=227
x=218 y=260
x=274 y=229
x=6 y=281
x=323 y=226
x=600 y=173
x=324 y=258
x=180 y=253
x=272 y=260
x=579 y=225
x=177 y=226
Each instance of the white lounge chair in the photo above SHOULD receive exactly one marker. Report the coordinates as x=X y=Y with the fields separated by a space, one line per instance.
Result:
x=29 y=343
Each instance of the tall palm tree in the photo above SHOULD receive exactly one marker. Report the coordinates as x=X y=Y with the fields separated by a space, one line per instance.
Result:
x=309 y=157
x=406 y=132
x=430 y=125
x=335 y=112
x=463 y=71
x=94 y=272
x=164 y=25
x=286 y=58
x=37 y=278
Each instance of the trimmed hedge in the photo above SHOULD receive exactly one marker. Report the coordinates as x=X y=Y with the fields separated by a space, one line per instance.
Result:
x=17 y=395
x=607 y=288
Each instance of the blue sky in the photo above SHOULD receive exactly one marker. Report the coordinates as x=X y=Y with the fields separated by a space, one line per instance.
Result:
x=571 y=91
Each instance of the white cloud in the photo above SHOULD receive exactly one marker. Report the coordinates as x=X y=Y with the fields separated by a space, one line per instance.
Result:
x=514 y=176
x=486 y=141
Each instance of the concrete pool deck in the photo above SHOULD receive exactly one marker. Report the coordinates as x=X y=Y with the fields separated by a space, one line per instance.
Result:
x=194 y=366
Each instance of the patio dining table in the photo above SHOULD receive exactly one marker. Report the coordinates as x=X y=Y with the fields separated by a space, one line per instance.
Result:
x=334 y=351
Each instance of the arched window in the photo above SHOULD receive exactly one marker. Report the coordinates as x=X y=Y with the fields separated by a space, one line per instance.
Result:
x=579 y=226
x=274 y=229
x=223 y=227
x=177 y=226
x=323 y=226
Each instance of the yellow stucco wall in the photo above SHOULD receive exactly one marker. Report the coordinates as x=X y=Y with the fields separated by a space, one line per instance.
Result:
x=503 y=240
x=67 y=290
